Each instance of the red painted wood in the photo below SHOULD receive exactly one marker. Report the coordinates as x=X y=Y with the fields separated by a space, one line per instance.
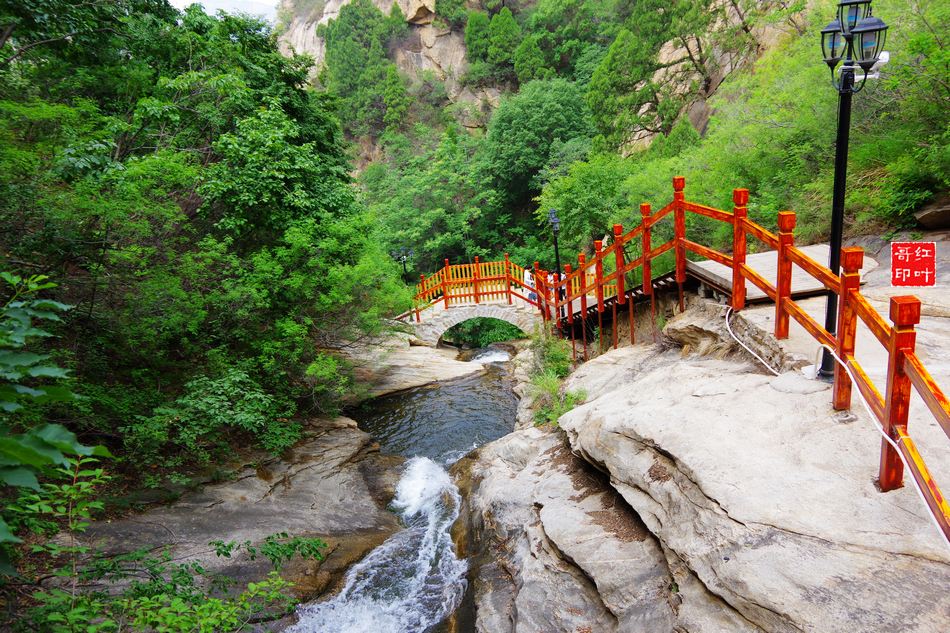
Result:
x=783 y=285
x=508 y=278
x=618 y=264
x=709 y=212
x=582 y=270
x=766 y=237
x=878 y=326
x=905 y=314
x=679 y=228
x=475 y=278
x=827 y=278
x=740 y=197
x=708 y=253
x=928 y=389
x=645 y=239
x=599 y=274
x=445 y=283
x=852 y=259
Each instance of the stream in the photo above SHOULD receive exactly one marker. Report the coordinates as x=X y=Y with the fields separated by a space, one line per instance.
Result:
x=414 y=580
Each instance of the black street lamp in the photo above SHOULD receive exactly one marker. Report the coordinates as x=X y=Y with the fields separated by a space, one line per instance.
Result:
x=856 y=38
x=403 y=255
x=555 y=229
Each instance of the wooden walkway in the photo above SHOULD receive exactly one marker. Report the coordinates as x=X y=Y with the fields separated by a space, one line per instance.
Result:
x=718 y=276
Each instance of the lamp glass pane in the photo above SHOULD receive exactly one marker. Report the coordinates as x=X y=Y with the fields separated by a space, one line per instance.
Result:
x=867 y=45
x=849 y=14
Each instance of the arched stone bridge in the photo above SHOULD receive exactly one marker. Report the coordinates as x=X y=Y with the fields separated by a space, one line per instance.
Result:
x=435 y=322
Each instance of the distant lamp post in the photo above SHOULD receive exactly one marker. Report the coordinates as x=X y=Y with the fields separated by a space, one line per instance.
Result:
x=856 y=39
x=403 y=255
x=555 y=223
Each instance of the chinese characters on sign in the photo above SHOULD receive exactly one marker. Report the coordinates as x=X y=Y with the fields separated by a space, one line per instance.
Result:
x=913 y=263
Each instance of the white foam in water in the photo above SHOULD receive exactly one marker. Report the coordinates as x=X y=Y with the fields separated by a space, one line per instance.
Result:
x=414 y=579
x=491 y=355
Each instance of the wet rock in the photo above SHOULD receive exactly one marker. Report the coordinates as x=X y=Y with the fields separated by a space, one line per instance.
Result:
x=334 y=485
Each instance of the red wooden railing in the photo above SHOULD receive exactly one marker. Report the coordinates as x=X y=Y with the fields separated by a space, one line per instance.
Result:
x=603 y=277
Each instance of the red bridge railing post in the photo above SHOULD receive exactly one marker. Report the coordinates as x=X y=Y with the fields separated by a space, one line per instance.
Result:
x=508 y=278
x=582 y=273
x=570 y=310
x=537 y=288
x=852 y=258
x=783 y=283
x=905 y=314
x=740 y=197
x=679 y=227
x=422 y=289
x=445 y=283
x=599 y=284
x=621 y=299
x=475 y=278
x=645 y=267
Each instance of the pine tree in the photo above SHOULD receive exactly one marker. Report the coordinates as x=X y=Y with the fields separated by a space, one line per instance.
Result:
x=504 y=35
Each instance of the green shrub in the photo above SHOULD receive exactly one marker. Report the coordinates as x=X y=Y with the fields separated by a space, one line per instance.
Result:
x=199 y=424
x=550 y=403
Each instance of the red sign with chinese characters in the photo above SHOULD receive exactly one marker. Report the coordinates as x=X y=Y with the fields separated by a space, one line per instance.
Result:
x=913 y=264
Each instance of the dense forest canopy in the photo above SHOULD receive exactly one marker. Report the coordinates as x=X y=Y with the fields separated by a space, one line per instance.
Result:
x=182 y=246
x=730 y=94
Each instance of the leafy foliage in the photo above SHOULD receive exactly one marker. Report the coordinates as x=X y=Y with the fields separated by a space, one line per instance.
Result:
x=482 y=332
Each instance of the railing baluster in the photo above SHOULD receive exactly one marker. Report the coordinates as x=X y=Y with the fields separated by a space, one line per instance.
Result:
x=740 y=197
x=621 y=299
x=508 y=278
x=570 y=310
x=852 y=258
x=582 y=269
x=475 y=278
x=645 y=269
x=599 y=285
x=905 y=314
x=679 y=228
x=783 y=282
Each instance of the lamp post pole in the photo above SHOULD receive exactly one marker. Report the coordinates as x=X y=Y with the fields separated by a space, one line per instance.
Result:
x=845 y=92
x=856 y=38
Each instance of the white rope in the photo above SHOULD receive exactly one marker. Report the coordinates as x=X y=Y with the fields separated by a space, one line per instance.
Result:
x=867 y=406
x=746 y=347
x=880 y=429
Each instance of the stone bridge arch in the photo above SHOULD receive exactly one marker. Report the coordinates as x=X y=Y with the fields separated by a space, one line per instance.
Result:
x=433 y=326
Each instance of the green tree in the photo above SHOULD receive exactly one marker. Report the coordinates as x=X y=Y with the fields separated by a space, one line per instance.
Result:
x=395 y=99
x=477 y=36
x=529 y=61
x=622 y=96
x=523 y=130
x=504 y=35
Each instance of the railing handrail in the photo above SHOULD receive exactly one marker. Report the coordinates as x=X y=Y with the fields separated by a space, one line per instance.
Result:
x=905 y=372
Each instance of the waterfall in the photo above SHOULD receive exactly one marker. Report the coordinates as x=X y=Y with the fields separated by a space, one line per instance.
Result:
x=414 y=579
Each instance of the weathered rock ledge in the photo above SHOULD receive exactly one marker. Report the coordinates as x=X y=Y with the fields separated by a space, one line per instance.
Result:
x=696 y=493
x=392 y=363
x=334 y=485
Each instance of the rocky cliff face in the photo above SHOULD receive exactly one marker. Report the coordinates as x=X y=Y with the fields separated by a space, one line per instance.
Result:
x=694 y=493
x=429 y=47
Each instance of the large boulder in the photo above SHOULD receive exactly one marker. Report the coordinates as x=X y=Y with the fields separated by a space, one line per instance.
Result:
x=564 y=552
x=762 y=492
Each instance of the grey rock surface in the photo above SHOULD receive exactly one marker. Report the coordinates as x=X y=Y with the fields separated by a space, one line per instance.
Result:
x=566 y=552
x=333 y=485
x=767 y=499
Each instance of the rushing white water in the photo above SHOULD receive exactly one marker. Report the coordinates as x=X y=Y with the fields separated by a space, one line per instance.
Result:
x=491 y=355
x=414 y=579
